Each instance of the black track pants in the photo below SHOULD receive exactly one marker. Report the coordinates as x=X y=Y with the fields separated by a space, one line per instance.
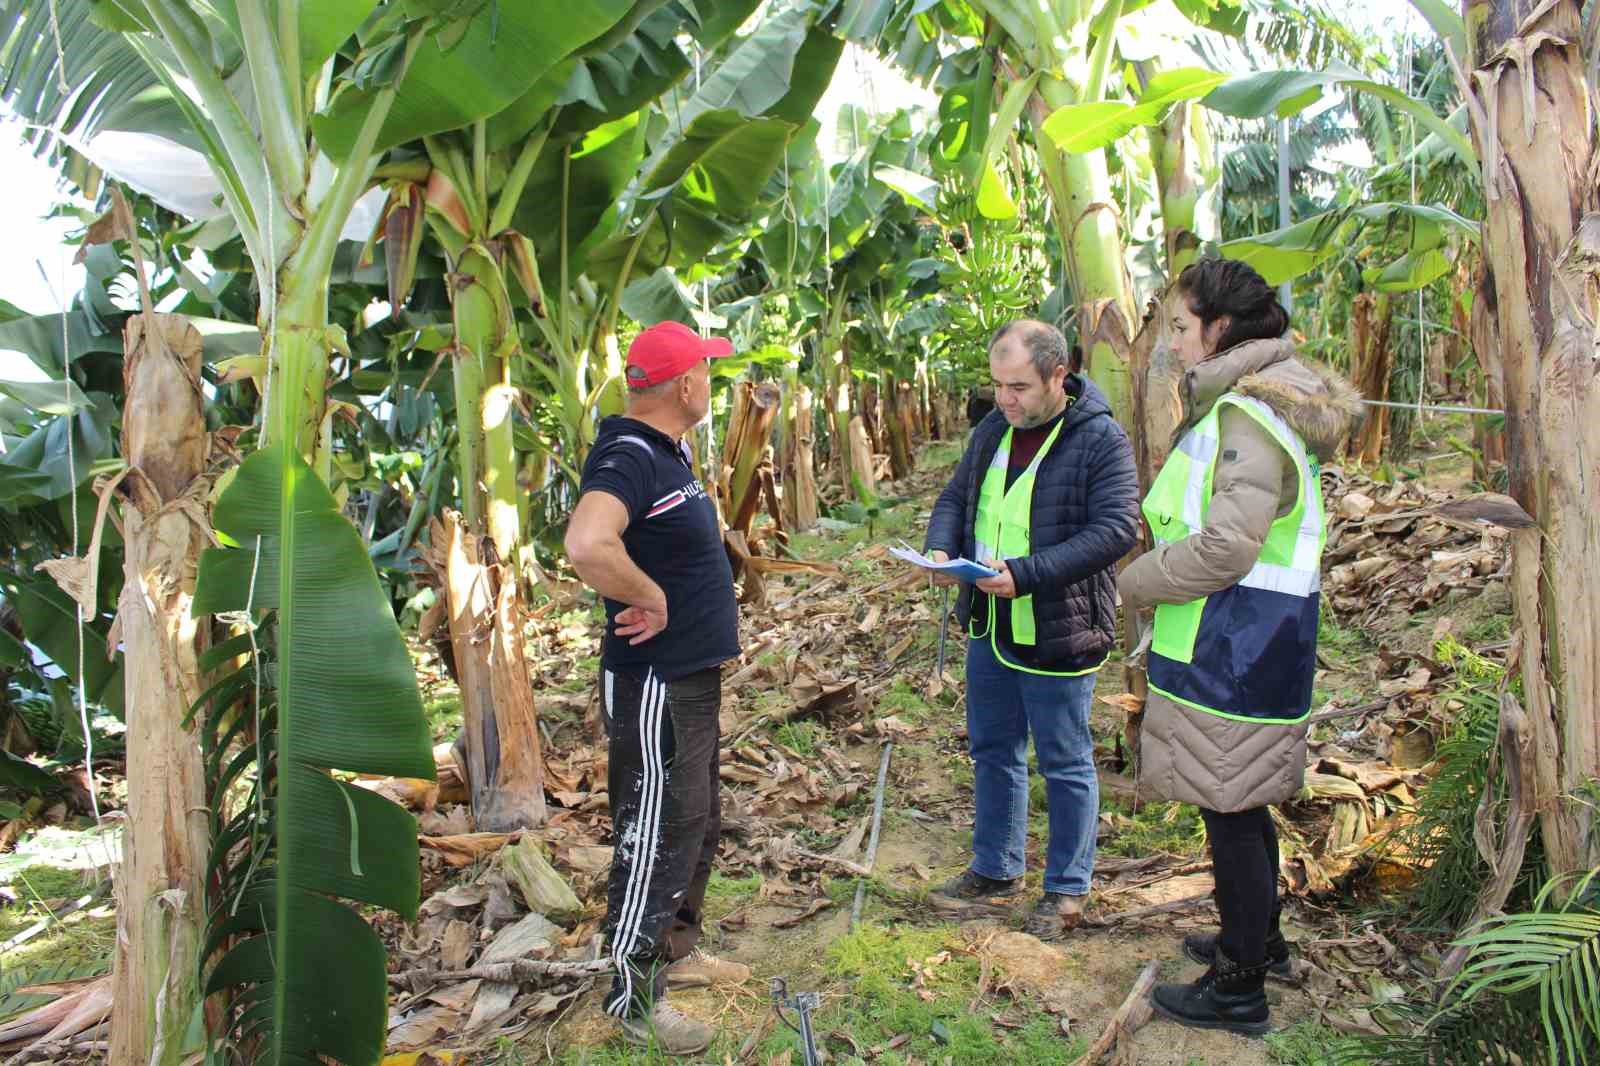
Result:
x=666 y=816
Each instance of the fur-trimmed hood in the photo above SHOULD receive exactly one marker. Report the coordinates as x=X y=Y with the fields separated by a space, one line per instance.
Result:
x=1316 y=401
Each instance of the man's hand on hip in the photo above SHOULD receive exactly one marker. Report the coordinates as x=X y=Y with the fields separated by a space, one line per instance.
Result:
x=640 y=622
x=1003 y=585
x=939 y=577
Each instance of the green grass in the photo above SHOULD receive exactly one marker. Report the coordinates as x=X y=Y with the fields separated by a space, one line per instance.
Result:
x=885 y=527
x=1336 y=642
x=77 y=940
x=1306 y=1043
x=904 y=701
x=724 y=895
x=940 y=454
x=879 y=1002
x=869 y=991
x=1489 y=629
x=1173 y=828
x=801 y=737
x=443 y=712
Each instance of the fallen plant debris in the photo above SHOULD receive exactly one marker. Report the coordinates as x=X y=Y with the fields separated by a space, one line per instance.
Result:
x=1400 y=547
x=838 y=661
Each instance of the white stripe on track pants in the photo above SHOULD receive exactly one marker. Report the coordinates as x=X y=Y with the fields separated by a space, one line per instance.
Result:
x=666 y=818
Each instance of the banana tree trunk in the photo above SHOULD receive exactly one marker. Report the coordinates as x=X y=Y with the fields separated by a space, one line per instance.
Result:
x=504 y=764
x=838 y=401
x=749 y=432
x=1371 y=356
x=1533 y=123
x=1490 y=442
x=863 y=482
x=918 y=401
x=1087 y=224
x=898 y=425
x=873 y=414
x=505 y=773
x=160 y=890
x=1181 y=148
x=799 y=472
x=296 y=332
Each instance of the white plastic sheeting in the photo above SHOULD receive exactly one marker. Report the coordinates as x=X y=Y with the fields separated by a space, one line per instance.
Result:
x=179 y=179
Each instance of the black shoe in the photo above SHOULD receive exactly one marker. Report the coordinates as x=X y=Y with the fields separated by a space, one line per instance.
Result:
x=1054 y=915
x=1225 y=997
x=969 y=885
x=1202 y=948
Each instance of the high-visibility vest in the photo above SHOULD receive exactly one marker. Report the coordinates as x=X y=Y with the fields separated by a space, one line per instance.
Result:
x=1003 y=531
x=1250 y=651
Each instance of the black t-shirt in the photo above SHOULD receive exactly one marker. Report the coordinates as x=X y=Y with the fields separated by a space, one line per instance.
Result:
x=673 y=536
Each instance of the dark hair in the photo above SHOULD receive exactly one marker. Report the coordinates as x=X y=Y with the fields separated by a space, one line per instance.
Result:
x=1216 y=287
x=1044 y=343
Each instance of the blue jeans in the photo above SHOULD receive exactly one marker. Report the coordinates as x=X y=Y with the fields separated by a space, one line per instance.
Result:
x=1003 y=707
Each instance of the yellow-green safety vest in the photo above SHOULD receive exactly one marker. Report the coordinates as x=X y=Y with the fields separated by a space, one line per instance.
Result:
x=1003 y=531
x=1249 y=651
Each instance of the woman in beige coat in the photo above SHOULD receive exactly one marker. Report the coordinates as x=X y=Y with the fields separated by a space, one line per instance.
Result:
x=1236 y=514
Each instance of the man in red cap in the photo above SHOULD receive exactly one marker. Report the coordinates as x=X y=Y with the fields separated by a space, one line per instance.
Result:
x=645 y=536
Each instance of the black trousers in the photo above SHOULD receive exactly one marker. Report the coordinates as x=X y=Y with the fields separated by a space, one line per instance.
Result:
x=666 y=816
x=1244 y=858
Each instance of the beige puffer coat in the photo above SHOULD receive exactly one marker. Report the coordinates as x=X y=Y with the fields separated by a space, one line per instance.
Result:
x=1186 y=754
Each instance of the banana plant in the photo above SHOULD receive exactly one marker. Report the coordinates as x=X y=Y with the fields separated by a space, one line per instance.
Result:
x=661 y=194
x=292 y=105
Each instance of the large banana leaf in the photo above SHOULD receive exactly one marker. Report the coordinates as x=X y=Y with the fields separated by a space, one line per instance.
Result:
x=41 y=466
x=1087 y=127
x=305 y=972
x=714 y=175
x=39 y=337
x=1283 y=93
x=106 y=80
x=503 y=54
x=601 y=166
x=756 y=75
x=50 y=622
x=1420 y=230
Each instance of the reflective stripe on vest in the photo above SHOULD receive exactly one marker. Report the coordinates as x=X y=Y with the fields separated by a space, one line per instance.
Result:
x=1002 y=528
x=1248 y=651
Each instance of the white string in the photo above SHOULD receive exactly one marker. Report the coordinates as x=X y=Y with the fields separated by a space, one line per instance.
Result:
x=72 y=488
x=61 y=55
x=246 y=618
x=1446 y=408
x=1422 y=322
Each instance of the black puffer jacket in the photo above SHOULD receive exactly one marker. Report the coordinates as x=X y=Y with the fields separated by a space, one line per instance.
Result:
x=1085 y=518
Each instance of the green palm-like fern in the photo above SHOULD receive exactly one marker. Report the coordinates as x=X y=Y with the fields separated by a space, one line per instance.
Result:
x=1557 y=953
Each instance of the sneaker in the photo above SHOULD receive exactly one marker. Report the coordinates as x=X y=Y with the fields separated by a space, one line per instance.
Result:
x=668 y=1029
x=1202 y=948
x=1056 y=913
x=969 y=885
x=1227 y=996
x=701 y=969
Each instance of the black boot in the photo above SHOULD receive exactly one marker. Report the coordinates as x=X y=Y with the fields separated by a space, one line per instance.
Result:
x=1202 y=948
x=1225 y=997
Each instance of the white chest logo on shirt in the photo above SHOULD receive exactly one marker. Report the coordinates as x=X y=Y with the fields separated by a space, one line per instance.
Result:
x=676 y=498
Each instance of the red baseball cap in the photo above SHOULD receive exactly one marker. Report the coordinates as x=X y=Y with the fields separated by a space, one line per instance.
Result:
x=666 y=350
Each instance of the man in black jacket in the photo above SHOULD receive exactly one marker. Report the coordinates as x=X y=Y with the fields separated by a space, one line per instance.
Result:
x=1047 y=494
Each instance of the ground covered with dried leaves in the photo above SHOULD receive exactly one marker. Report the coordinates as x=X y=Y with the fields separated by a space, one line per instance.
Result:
x=837 y=665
